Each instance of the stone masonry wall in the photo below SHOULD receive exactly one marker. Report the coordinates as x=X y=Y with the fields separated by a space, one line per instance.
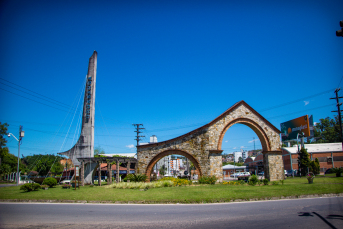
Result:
x=216 y=129
x=273 y=166
x=202 y=143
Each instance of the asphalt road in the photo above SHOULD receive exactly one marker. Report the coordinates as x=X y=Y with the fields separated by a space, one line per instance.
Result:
x=297 y=213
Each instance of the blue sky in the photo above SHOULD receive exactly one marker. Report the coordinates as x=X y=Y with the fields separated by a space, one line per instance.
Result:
x=171 y=65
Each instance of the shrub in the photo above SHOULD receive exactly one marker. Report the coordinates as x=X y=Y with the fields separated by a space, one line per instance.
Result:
x=281 y=181
x=275 y=183
x=260 y=182
x=338 y=171
x=66 y=186
x=137 y=177
x=240 y=182
x=142 y=185
x=265 y=181
x=253 y=180
x=50 y=181
x=207 y=180
x=30 y=187
x=177 y=181
x=44 y=186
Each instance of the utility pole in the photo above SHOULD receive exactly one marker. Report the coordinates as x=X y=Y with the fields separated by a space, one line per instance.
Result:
x=138 y=137
x=339 y=113
x=21 y=135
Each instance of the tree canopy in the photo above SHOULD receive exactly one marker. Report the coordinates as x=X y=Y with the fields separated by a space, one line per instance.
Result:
x=327 y=130
x=44 y=163
x=3 y=134
x=9 y=162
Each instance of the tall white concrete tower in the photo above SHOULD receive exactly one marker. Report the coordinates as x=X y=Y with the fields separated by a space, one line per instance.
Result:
x=84 y=147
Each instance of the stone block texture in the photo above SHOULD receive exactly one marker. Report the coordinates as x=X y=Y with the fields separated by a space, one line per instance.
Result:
x=203 y=145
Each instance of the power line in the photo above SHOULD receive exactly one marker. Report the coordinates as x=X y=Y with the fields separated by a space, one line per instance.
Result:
x=295 y=101
x=35 y=100
x=66 y=106
x=301 y=111
x=34 y=92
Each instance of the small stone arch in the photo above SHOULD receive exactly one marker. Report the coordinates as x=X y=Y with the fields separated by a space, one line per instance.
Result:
x=253 y=125
x=163 y=154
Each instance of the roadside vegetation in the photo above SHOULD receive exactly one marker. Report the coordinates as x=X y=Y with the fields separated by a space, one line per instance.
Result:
x=188 y=193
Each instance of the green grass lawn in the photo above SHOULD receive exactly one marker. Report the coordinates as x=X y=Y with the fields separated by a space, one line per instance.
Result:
x=183 y=194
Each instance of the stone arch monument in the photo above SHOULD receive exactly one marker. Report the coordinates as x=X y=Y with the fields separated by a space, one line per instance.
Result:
x=203 y=145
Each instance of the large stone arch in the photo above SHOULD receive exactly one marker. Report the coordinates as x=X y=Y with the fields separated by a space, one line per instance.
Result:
x=253 y=125
x=163 y=154
x=204 y=143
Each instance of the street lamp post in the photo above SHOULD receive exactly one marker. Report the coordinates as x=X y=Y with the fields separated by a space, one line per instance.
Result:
x=21 y=135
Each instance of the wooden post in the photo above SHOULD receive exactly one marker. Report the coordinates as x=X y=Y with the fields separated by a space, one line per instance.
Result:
x=128 y=168
x=117 y=168
x=109 y=173
x=99 y=174
x=83 y=173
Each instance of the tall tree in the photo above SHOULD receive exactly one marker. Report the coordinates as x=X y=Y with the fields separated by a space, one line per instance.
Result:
x=327 y=130
x=240 y=160
x=303 y=161
x=11 y=160
x=3 y=134
x=314 y=166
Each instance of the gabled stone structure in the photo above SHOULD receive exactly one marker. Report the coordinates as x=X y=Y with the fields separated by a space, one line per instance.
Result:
x=203 y=145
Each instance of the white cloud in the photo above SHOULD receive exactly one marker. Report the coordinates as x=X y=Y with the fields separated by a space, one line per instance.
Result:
x=306 y=102
x=242 y=147
x=130 y=146
x=226 y=141
x=254 y=140
x=234 y=148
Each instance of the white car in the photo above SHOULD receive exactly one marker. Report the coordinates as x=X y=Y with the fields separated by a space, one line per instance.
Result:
x=65 y=182
x=235 y=175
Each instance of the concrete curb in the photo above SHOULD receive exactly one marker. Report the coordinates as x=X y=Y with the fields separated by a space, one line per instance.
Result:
x=148 y=202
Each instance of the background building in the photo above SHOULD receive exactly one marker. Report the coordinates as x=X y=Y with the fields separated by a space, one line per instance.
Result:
x=329 y=155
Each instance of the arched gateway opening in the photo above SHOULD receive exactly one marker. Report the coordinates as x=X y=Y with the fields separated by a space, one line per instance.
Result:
x=203 y=146
x=171 y=152
x=253 y=125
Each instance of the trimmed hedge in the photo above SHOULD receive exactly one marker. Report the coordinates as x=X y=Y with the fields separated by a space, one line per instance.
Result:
x=50 y=181
x=30 y=187
x=207 y=180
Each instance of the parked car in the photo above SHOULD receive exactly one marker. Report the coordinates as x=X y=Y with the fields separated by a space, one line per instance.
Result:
x=328 y=171
x=65 y=182
x=243 y=176
x=261 y=173
x=290 y=173
x=235 y=175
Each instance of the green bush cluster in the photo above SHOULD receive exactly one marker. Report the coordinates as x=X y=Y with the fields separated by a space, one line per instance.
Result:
x=142 y=185
x=177 y=181
x=50 y=181
x=207 y=180
x=338 y=171
x=253 y=180
x=240 y=182
x=30 y=187
x=275 y=183
x=136 y=177
x=265 y=181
